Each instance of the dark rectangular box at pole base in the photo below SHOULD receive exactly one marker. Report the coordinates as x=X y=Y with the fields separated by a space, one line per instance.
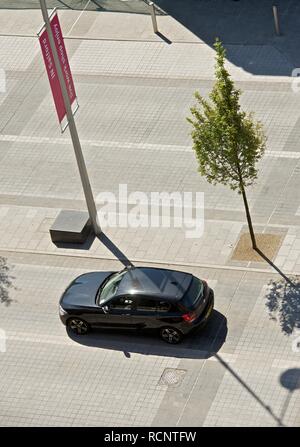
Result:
x=71 y=227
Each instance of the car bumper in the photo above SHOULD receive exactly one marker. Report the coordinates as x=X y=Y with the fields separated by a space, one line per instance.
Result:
x=202 y=319
x=63 y=315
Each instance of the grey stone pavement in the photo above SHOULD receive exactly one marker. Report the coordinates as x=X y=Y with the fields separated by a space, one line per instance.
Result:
x=135 y=91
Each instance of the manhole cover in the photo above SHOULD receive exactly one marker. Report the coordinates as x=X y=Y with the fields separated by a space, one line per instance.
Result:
x=172 y=377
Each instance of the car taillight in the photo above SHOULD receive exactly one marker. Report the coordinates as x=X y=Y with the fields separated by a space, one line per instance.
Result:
x=189 y=317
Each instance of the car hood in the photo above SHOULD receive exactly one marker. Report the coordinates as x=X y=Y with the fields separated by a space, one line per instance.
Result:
x=82 y=291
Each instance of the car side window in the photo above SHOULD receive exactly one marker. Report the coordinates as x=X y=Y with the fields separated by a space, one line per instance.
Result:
x=147 y=304
x=123 y=302
x=163 y=306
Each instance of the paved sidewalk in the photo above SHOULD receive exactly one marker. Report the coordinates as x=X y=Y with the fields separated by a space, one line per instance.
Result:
x=231 y=371
x=131 y=121
x=244 y=25
x=103 y=25
x=26 y=228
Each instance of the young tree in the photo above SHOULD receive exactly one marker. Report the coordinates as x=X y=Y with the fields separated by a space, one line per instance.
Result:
x=227 y=141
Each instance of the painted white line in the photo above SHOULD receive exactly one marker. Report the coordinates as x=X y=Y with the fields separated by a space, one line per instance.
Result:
x=144 y=261
x=215 y=357
x=26 y=337
x=78 y=18
x=286 y=364
x=39 y=338
x=128 y=145
x=132 y=347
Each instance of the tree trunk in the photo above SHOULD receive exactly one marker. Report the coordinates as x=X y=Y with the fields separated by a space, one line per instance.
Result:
x=242 y=189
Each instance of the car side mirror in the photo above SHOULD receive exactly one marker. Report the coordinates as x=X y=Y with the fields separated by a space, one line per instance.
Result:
x=105 y=309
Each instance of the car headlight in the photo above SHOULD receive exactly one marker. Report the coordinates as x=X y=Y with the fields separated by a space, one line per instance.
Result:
x=62 y=311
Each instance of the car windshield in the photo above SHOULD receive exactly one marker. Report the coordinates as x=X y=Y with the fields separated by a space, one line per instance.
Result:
x=110 y=288
x=193 y=293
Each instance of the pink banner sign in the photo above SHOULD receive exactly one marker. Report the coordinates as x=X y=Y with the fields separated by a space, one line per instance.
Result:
x=51 y=70
x=63 y=58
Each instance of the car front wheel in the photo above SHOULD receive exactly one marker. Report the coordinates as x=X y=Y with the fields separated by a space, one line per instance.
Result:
x=171 y=335
x=78 y=326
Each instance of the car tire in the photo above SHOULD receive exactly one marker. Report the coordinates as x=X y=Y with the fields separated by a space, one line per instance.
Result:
x=171 y=335
x=78 y=326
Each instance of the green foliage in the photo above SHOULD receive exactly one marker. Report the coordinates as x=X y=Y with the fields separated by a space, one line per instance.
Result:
x=227 y=141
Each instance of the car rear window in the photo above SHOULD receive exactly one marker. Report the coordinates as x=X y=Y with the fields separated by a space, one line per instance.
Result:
x=192 y=295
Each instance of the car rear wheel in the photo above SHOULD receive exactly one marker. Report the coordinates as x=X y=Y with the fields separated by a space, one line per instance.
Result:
x=78 y=326
x=171 y=335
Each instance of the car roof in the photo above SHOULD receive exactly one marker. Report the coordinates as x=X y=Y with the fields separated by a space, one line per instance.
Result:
x=169 y=285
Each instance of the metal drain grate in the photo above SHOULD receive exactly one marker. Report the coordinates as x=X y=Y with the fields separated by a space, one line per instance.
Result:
x=172 y=377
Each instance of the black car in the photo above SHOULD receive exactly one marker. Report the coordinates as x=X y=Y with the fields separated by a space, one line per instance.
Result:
x=171 y=302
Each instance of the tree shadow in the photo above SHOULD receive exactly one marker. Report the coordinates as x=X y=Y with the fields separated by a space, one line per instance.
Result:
x=202 y=344
x=290 y=380
x=5 y=282
x=115 y=250
x=283 y=303
x=248 y=389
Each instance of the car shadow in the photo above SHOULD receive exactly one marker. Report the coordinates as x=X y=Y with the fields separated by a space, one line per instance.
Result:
x=201 y=344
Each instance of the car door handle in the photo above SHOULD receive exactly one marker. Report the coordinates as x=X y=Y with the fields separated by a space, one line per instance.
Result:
x=126 y=314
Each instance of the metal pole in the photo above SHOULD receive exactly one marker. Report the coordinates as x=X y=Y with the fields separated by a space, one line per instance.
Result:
x=72 y=126
x=276 y=21
x=153 y=16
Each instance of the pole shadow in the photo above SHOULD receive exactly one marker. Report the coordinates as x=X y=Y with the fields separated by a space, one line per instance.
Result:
x=248 y=389
x=115 y=250
x=290 y=380
x=163 y=37
x=120 y=6
x=104 y=239
x=65 y=4
x=99 y=7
